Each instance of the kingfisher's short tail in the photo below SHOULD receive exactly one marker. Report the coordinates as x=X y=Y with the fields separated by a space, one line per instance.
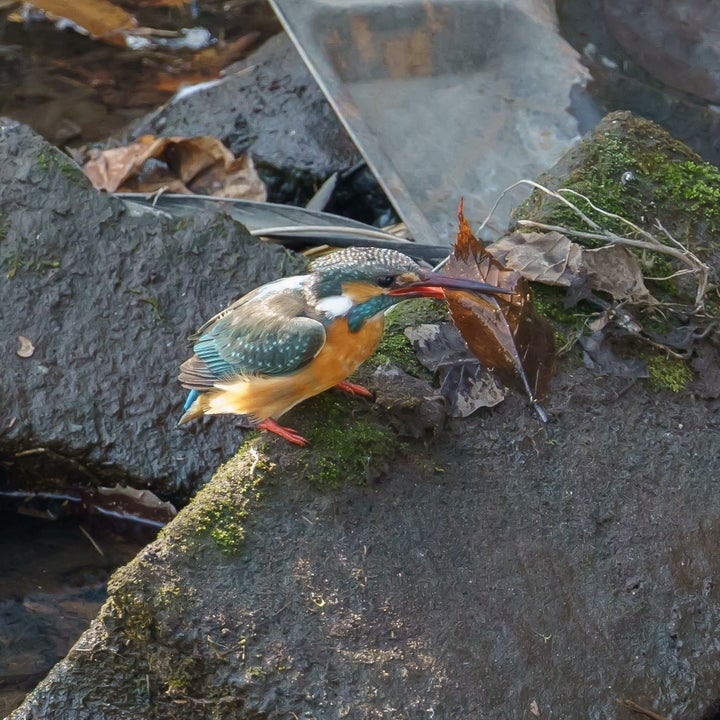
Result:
x=195 y=406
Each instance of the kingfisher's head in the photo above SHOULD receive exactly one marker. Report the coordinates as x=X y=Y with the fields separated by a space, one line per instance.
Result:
x=362 y=282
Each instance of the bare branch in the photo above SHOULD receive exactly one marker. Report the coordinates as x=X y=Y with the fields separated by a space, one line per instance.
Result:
x=649 y=242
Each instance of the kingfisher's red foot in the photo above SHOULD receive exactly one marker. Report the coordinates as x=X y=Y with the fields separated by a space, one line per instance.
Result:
x=354 y=389
x=285 y=433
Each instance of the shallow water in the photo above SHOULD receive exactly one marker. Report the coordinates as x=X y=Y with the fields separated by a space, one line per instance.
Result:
x=52 y=584
x=73 y=90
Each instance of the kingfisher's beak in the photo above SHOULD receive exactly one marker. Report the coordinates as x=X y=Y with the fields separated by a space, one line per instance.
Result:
x=432 y=285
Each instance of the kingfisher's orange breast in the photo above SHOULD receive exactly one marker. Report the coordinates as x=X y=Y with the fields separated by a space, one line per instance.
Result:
x=264 y=396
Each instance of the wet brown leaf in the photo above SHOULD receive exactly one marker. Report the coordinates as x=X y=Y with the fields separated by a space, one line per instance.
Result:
x=101 y=18
x=201 y=165
x=504 y=331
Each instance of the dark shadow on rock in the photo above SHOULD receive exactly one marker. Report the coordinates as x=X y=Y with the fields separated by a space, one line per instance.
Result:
x=107 y=295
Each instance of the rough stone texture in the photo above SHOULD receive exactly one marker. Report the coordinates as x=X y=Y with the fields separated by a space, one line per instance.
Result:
x=108 y=298
x=272 y=108
x=667 y=185
x=675 y=42
x=502 y=566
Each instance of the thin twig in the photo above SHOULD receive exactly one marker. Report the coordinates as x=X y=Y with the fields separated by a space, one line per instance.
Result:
x=631 y=705
x=649 y=242
x=89 y=537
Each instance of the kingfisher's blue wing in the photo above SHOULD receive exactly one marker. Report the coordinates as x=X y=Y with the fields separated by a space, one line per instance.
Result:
x=272 y=331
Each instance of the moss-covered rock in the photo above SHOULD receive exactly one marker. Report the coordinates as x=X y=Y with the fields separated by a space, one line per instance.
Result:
x=349 y=442
x=632 y=168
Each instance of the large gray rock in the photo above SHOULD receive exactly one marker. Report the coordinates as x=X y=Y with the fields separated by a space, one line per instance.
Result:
x=504 y=571
x=272 y=108
x=107 y=297
x=676 y=42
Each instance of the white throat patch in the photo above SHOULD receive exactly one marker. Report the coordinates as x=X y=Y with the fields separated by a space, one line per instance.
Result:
x=335 y=305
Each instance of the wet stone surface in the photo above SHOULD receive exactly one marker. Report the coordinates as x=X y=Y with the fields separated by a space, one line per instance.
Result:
x=108 y=297
x=502 y=568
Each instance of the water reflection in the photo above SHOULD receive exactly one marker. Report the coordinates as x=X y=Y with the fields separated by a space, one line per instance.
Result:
x=53 y=584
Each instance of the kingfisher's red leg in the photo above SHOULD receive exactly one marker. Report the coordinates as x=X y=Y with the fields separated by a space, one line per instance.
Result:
x=284 y=432
x=354 y=389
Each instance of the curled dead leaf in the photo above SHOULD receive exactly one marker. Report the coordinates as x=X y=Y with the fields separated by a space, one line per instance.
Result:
x=553 y=259
x=200 y=165
x=26 y=349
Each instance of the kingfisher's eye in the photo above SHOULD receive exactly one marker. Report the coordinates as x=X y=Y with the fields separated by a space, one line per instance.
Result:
x=385 y=281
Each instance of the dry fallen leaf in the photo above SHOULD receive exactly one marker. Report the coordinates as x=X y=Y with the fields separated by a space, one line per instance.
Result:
x=505 y=333
x=26 y=348
x=553 y=259
x=464 y=384
x=549 y=258
x=200 y=165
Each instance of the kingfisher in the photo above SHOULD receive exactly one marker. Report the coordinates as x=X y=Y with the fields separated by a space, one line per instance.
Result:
x=293 y=338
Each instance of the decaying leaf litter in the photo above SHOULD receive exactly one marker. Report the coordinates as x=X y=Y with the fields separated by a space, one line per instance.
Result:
x=199 y=165
x=658 y=322
x=545 y=254
x=503 y=332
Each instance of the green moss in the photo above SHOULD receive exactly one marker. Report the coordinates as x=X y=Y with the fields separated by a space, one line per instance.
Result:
x=549 y=301
x=24 y=256
x=154 y=601
x=71 y=170
x=668 y=373
x=220 y=230
x=634 y=169
x=133 y=613
x=222 y=516
x=50 y=158
x=13 y=263
x=395 y=348
x=150 y=300
x=17 y=261
x=415 y=312
x=344 y=447
x=695 y=184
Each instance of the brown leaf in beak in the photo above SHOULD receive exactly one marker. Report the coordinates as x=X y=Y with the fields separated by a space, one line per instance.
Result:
x=503 y=331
